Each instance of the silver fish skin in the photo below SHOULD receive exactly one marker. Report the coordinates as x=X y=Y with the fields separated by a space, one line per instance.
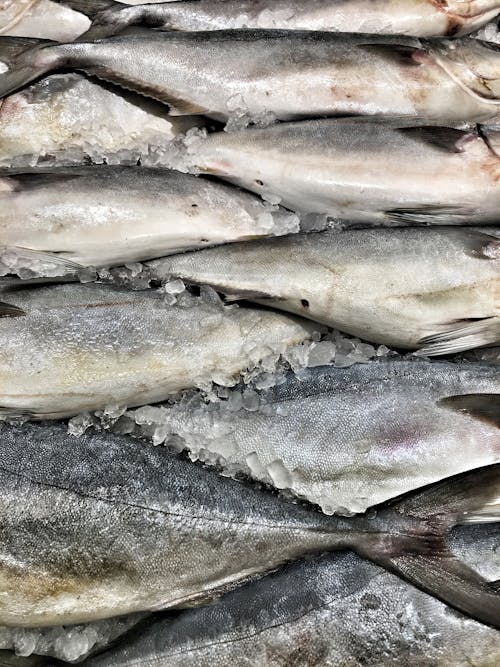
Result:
x=437 y=289
x=422 y=18
x=71 y=118
x=107 y=216
x=71 y=348
x=136 y=528
x=346 y=438
x=332 y=167
x=286 y=74
x=336 y=610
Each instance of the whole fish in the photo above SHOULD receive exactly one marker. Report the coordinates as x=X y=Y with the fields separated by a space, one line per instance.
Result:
x=73 y=118
x=106 y=216
x=409 y=17
x=337 y=610
x=349 y=438
x=133 y=527
x=69 y=348
x=436 y=289
x=283 y=74
x=362 y=170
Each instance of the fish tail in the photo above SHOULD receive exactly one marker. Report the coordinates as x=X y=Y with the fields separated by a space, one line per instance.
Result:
x=26 y=60
x=424 y=558
x=90 y=8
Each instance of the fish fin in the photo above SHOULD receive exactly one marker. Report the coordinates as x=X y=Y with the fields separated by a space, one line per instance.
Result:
x=451 y=581
x=180 y=107
x=20 y=56
x=55 y=258
x=8 y=310
x=462 y=335
x=394 y=53
x=485 y=407
x=249 y=295
x=424 y=215
x=448 y=139
x=90 y=8
x=425 y=559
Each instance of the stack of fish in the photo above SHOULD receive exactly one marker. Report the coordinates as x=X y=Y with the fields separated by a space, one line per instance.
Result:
x=210 y=205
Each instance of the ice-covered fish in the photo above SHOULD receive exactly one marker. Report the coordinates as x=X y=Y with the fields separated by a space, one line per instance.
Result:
x=435 y=288
x=74 y=118
x=348 y=438
x=69 y=348
x=409 y=17
x=363 y=170
x=133 y=527
x=283 y=74
x=337 y=610
x=104 y=216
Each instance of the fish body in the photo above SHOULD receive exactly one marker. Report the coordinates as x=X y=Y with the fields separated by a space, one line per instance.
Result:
x=41 y=18
x=350 y=438
x=337 y=610
x=83 y=347
x=285 y=74
x=136 y=528
x=114 y=215
x=410 y=17
x=74 y=118
x=403 y=287
x=332 y=167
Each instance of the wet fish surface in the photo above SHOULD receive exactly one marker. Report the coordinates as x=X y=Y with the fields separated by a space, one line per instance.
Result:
x=134 y=528
x=41 y=18
x=70 y=348
x=71 y=119
x=114 y=215
x=410 y=17
x=332 y=167
x=437 y=289
x=350 y=438
x=336 y=610
x=283 y=74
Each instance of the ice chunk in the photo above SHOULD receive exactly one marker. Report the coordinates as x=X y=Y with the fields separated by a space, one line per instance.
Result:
x=70 y=642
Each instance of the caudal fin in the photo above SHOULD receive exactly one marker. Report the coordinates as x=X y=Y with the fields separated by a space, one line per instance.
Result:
x=21 y=56
x=426 y=560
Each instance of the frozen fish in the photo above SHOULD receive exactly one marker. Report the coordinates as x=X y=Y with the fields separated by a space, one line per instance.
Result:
x=104 y=216
x=279 y=74
x=362 y=171
x=337 y=610
x=436 y=289
x=423 y=18
x=133 y=527
x=65 y=349
x=348 y=438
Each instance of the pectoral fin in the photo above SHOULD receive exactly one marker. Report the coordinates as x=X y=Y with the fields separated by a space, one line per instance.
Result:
x=461 y=336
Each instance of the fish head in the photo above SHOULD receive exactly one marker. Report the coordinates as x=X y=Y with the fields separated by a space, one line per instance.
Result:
x=473 y=65
x=464 y=17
